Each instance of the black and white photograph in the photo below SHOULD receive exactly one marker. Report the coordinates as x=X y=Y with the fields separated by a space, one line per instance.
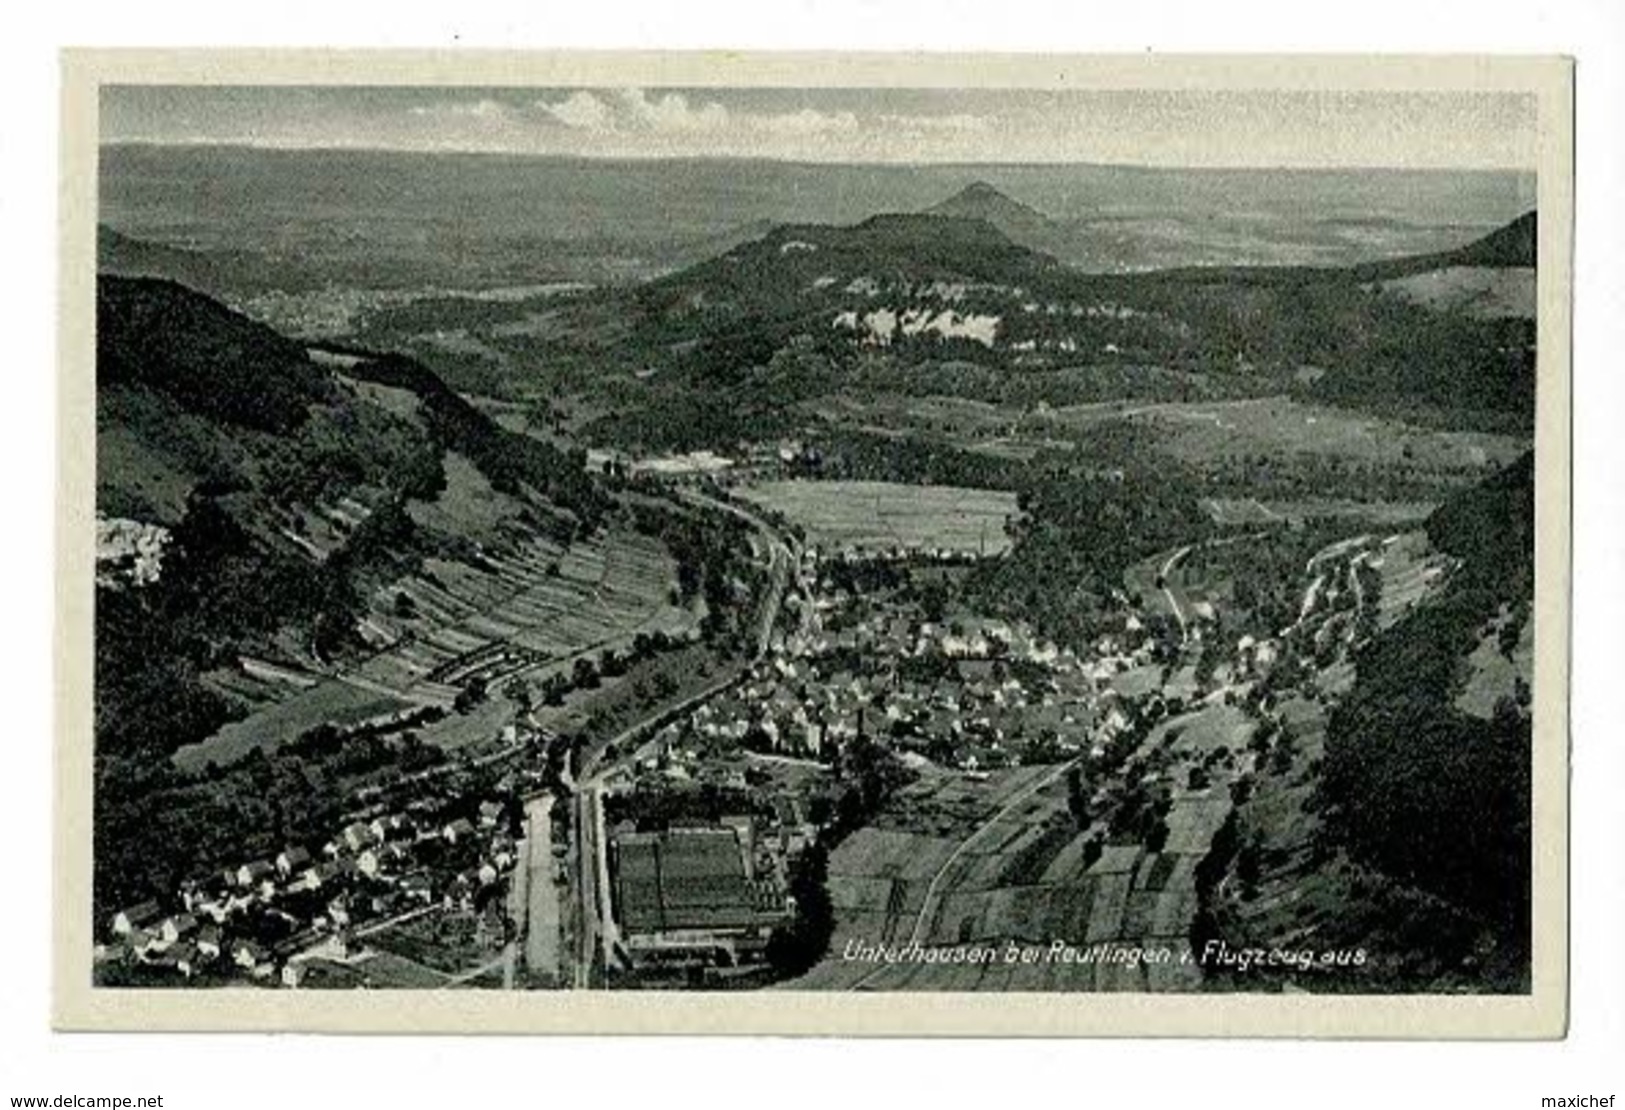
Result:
x=911 y=539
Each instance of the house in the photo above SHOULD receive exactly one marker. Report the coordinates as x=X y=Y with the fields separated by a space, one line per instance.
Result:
x=248 y=955
x=196 y=892
x=459 y=829
x=379 y=858
x=490 y=814
x=395 y=826
x=208 y=942
x=291 y=860
x=357 y=836
x=185 y=956
x=322 y=874
x=250 y=875
x=176 y=927
x=216 y=909
x=140 y=941
x=138 y=916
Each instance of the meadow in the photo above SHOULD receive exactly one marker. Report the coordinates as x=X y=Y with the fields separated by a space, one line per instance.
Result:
x=871 y=516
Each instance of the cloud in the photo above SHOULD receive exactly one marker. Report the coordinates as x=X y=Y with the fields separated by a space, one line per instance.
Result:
x=637 y=111
x=634 y=110
x=959 y=122
x=806 y=122
x=486 y=109
x=671 y=112
x=641 y=121
x=580 y=110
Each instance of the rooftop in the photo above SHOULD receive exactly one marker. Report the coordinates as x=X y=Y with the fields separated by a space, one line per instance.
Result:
x=686 y=879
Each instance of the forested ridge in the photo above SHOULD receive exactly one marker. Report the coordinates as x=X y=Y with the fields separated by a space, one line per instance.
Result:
x=1417 y=788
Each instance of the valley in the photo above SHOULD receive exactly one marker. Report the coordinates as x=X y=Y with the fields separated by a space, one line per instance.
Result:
x=902 y=581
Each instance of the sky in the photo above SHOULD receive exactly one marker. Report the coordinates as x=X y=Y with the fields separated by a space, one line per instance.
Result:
x=1433 y=130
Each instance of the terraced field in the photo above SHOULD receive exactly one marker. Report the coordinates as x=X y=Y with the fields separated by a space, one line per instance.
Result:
x=489 y=618
x=1009 y=865
x=1409 y=569
x=1251 y=511
x=513 y=612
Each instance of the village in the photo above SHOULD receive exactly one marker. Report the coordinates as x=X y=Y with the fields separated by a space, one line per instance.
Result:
x=680 y=857
x=442 y=839
x=763 y=770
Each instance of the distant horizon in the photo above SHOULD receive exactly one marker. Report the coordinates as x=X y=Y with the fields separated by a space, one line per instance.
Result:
x=1144 y=128
x=260 y=147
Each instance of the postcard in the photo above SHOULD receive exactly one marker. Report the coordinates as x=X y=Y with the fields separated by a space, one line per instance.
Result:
x=820 y=544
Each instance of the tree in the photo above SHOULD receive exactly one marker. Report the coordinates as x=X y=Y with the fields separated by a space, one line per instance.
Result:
x=1077 y=798
x=554 y=689
x=796 y=947
x=472 y=693
x=518 y=691
x=1156 y=835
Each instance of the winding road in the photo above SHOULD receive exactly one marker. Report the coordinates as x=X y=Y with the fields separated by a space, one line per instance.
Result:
x=1168 y=567
x=592 y=914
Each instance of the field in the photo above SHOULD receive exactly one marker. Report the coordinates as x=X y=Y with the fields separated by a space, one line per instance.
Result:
x=1250 y=510
x=1207 y=730
x=535 y=607
x=1408 y=569
x=514 y=610
x=1494 y=674
x=449 y=942
x=879 y=875
x=330 y=702
x=1009 y=865
x=1292 y=892
x=1199 y=432
x=885 y=515
x=1475 y=290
